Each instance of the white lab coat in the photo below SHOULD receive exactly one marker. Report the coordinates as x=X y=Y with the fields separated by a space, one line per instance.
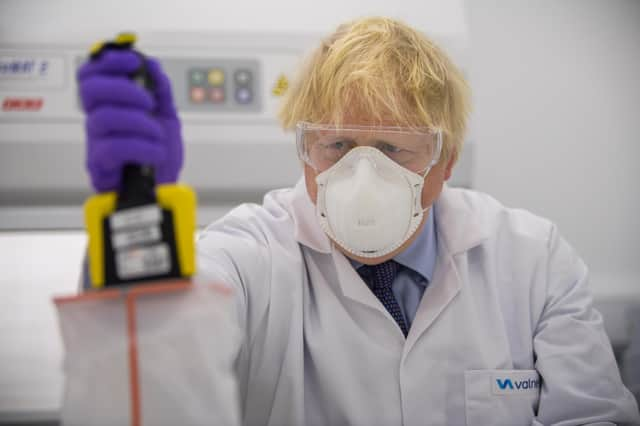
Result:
x=508 y=304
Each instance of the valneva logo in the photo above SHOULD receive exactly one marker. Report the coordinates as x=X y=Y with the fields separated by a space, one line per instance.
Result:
x=520 y=384
x=516 y=384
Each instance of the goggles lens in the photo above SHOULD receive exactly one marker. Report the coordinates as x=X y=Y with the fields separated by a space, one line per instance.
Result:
x=321 y=146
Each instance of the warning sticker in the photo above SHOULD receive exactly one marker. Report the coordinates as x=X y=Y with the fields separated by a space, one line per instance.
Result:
x=281 y=86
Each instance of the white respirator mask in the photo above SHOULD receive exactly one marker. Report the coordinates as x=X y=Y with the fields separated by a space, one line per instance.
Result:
x=369 y=204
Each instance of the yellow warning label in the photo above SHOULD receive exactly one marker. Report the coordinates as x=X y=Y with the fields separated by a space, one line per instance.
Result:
x=281 y=86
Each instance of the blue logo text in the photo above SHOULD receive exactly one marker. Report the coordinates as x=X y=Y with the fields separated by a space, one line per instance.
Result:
x=518 y=385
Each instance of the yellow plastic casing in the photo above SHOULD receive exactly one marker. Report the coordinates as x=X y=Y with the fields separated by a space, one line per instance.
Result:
x=126 y=38
x=96 y=47
x=179 y=199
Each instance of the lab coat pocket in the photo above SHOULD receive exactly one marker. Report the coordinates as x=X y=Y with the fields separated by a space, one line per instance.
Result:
x=501 y=397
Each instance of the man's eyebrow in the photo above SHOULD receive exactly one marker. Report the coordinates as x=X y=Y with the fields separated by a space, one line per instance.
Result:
x=384 y=141
x=344 y=137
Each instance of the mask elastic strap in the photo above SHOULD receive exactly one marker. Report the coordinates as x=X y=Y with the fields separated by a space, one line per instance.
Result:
x=424 y=176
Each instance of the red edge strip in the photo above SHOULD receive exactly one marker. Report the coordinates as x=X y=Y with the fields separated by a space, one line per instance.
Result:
x=133 y=360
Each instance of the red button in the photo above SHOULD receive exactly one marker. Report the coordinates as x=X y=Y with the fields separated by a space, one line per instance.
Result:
x=216 y=95
x=197 y=94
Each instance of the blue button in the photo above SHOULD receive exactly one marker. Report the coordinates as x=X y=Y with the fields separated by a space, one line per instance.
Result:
x=244 y=95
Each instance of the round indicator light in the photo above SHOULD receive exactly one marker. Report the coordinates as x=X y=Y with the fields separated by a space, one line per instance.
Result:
x=244 y=95
x=197 y=95
x=243 y=77
x=216 y=95
x=216 y=77
x=197 y=77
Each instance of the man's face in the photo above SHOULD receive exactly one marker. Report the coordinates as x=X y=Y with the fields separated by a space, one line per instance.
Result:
x=431 y=190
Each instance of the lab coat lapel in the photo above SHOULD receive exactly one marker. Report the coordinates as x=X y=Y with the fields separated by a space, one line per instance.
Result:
x=354 y=287
x=458 y=229
x=442 y=290
x=308 y=233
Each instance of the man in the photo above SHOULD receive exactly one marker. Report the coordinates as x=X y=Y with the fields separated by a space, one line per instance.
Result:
x=371 y=293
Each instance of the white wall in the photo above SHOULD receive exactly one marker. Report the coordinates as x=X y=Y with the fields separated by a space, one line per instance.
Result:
x=53 y=18
x=557 y=100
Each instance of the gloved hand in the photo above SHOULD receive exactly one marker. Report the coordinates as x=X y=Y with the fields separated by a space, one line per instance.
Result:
x=125 y=122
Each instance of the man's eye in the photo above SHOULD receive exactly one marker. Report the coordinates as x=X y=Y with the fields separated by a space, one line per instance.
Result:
x=388 y=148
x=338 y=145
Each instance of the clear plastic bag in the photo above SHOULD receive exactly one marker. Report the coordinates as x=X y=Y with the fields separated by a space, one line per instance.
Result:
x=156 y=354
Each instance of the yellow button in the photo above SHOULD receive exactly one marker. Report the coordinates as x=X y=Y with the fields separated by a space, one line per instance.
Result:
x=216 y=77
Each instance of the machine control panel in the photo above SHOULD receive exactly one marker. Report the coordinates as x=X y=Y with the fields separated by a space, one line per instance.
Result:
x=215 y=85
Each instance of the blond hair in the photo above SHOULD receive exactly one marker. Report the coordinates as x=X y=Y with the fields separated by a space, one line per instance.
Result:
x=383 y=72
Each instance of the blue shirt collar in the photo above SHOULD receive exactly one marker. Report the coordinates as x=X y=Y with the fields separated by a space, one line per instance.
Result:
x=420 y=256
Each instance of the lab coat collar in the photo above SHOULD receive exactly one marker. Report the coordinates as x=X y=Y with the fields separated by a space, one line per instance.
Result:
x=458 y=226
x=420 y=256
x=307 y=230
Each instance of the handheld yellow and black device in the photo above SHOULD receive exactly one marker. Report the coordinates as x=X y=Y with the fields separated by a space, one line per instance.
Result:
x=144 y=231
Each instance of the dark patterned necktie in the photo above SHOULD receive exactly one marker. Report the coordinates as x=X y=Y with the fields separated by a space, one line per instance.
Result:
x=379 y=279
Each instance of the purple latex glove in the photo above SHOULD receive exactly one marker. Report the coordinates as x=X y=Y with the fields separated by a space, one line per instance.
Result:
x=125 y=122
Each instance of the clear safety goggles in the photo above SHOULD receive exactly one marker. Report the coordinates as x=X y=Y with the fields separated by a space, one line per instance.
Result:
x=323 y=145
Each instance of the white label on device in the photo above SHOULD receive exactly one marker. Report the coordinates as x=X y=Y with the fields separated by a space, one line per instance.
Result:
x=33 y=71
x=136 y=217
x=126 y=238
x=143 y=261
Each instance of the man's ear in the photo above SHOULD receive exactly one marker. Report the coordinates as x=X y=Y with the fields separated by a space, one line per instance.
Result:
x=449 y=169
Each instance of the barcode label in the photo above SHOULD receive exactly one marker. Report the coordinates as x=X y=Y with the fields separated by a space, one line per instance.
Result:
x=143 y=261
x=136 y=217
x=150 y=234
